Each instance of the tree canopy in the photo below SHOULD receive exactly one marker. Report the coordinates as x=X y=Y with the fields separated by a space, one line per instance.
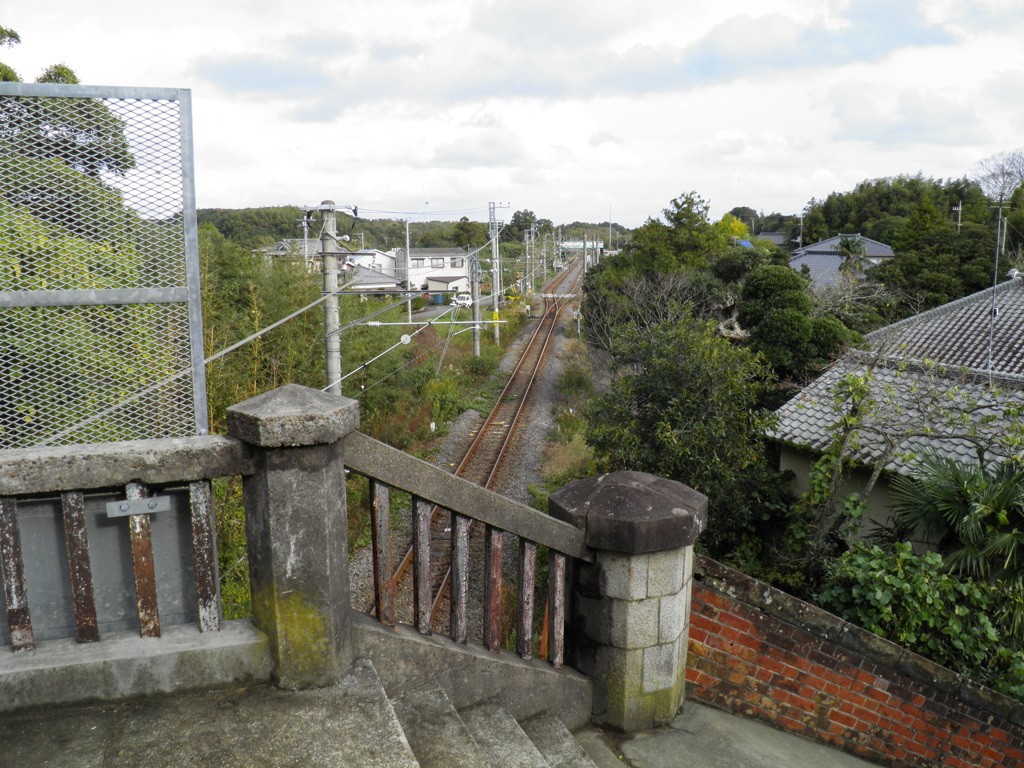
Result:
x=683 y=405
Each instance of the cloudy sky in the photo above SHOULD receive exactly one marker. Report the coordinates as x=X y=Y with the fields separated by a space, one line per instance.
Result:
x=570 y=108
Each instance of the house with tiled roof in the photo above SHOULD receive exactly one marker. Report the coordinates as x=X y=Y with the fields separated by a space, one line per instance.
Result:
x=939 y=381
x=824 y=260
x=359 y=278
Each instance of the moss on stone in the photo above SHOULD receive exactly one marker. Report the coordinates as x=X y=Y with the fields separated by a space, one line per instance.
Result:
x=299 y=638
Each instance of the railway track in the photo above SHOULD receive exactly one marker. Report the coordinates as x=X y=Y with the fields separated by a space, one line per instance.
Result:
x=482 y=464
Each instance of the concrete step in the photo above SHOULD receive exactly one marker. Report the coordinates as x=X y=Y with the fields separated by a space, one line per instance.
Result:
x=372 y=730
x=349 y=724
x=437 y=734
x=501 y=739
x=555 y=742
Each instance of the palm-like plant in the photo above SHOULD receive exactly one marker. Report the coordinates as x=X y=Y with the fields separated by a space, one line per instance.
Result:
x=974 y=516
x=854 y=253
x=972 y=513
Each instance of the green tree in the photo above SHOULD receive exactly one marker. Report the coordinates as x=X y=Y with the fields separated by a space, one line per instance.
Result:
x=686 y=239
x=515 y=230
x=470 y=234
x=8 y=39
x=683 y=405
x=777 y=312
x=47 y=384
x=55 y=73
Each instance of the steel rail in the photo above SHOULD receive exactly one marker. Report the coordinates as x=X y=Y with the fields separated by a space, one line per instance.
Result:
x=547 y=325
x=554 y=284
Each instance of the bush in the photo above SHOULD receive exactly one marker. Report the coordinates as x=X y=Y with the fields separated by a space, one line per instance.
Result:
x=481 y=367
x=914 y=601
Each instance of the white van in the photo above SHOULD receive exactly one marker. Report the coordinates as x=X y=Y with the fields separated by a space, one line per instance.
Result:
x=462 y=300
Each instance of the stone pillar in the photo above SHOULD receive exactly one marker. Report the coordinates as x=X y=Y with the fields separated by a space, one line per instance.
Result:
x=296 y=526
x=631 y=612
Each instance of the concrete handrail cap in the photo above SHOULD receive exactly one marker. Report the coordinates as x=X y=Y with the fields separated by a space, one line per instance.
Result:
x=292 y=415
x=632 y=512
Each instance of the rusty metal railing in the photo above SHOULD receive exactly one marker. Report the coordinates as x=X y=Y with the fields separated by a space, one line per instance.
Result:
x=387 y=469
x=63 y=497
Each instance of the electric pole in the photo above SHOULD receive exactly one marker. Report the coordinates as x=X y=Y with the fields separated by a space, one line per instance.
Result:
x=408 y=268
x=474 y=286
x=495 y=268
x=995 y=282
x=329 y=259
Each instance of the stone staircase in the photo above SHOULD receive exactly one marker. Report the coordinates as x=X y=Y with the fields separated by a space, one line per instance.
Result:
x=436 y=735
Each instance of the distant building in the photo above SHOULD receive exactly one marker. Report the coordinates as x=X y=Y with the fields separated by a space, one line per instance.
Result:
x=293 y=249
x=573 y=246
x=824 y=260
x=421 y=264
x=447 y=283
x=360 y=278
x=780 y=239
x=378 y=261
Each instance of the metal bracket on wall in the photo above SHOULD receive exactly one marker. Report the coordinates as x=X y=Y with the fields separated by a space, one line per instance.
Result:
x=145 y=506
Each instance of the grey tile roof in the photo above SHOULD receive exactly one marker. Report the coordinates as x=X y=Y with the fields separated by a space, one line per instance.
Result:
x=360 y=277
x=913 y=414
x=958 y=333
x=779 y=238
x=823 y=267
x=872 y=248
x=923 y=368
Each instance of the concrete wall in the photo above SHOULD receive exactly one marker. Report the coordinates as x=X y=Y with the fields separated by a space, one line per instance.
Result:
x=761 y=653
x=879 y=501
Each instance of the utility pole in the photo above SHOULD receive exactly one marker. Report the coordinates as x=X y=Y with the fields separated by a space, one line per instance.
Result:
x=474 y=286
x=995 y=282
x=531 y=234
x=329 y=258
x=304 y=223
x=408 y=268
x=495 y=267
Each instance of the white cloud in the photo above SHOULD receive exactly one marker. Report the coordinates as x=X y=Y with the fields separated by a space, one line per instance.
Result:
x=563 y=108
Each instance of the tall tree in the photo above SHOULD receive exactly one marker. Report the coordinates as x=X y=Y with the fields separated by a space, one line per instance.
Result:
x=515 y=230
x=470 y=234
x=1000 y=174
x=8 y=39
x=684 y=406
x=853 y=253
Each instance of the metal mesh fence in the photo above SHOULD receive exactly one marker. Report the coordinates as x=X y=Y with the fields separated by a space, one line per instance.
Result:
x=100 y=325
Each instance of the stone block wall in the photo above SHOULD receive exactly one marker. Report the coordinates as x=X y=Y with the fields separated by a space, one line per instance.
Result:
x=758 y=652
x=632 y=613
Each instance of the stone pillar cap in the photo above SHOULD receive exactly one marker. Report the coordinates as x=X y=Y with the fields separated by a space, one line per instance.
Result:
x=632 y=512
x=292 y=415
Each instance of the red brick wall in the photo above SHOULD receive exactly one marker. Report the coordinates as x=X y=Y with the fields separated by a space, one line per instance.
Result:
x=761 y=653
